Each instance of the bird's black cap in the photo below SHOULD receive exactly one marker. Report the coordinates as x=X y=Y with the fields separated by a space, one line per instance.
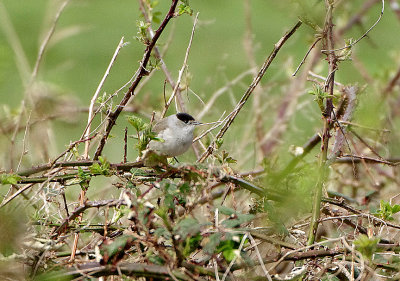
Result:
x=184 y=117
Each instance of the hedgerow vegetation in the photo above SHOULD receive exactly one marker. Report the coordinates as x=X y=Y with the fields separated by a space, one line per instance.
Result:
x=295 y=176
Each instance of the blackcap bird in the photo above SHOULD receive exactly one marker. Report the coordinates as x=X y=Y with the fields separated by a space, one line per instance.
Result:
x=176 y=134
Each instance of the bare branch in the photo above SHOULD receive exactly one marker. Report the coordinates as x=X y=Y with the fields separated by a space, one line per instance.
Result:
x=86 y=132
x=140 y=73
x=184 y=66
x=250 y=90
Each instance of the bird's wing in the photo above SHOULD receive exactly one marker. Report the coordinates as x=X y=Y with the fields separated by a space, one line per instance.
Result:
x=159 y=126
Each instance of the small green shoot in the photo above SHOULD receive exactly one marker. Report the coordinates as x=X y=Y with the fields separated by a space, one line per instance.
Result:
x=102 y=168
x=320 y=96
x=366 y=246
x=9 y=178
x=387 y=211
x=143 y=133
x=184 y=8
x=83 y=178
x=142 y=32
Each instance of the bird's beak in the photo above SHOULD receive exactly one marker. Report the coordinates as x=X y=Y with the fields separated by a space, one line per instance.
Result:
x=196 y=123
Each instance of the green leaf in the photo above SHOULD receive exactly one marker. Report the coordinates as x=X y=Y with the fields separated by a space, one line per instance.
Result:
x=213 y=242
x=395 y=209
x=83 y=178
x=229 y=255
x=184 y=8
x=240 y=219
x=230 y=160
x=235 y=219
x=346 y=53
x=102 y=168
x=162 y=232
x=387 y=211
x=228 y=249
x=9 y=178
x=162 y=213
x=141 y=33
x=188 y=226
x=169 y=201
x=226 y=211
x=219 y=142
x=156 y=259
x=156 y=17
x=137 y=123
x=185 y=188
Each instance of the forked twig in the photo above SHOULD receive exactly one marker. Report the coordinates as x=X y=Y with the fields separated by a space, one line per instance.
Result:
x=363 y=36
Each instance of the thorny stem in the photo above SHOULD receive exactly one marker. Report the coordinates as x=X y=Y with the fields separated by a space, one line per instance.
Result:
x=328 y=44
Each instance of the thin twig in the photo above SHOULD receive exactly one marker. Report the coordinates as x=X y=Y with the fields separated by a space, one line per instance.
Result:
x=351 y=94
x=324 y=78
x=306 y=55
x=221 y=91
x=234 y=259
x=24 y=151
x=140 y=73
x=254 y=244
x=364 y=35
x=9 y=199
x=356 y=19
x=392 y=83
x=159 y=56
x=302 y=249
x=357 y=159
x=125 y=144
x=181 y=71
x=86 y=132
x=217 y=124
x=78 y=211
x=328 y=43
x=216 y=270
x=353 y=210
x=365 y=143
x=249 y=90
x=46 y=41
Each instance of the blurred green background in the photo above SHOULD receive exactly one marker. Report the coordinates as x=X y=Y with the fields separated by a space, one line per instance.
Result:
x=89 y=31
